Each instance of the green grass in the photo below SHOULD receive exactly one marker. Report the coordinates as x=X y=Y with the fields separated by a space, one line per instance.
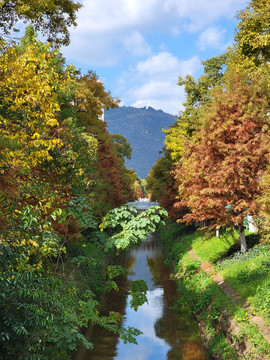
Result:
x=209 y=248
x=212 y=249
x=248 y=273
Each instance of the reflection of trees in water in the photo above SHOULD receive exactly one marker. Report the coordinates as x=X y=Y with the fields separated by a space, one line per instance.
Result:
x=176 y=329
x=128 y=262
x=185 y=343
x=154 y=266
x=106 y=341
x=189 y=351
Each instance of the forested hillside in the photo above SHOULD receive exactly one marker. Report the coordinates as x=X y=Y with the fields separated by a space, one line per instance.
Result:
x=142 y=127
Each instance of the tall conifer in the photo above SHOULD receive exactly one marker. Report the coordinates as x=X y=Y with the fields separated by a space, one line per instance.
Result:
x=220 y=173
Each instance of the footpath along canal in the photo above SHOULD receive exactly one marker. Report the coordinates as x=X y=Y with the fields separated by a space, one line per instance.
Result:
x=167 y=334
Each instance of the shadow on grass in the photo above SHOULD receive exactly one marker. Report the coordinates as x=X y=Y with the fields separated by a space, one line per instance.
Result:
x=251 y=239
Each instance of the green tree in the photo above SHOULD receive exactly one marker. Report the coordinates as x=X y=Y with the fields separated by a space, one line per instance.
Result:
x=122 y=146
x=51 y=17
x=55 y=157
x=253 y=35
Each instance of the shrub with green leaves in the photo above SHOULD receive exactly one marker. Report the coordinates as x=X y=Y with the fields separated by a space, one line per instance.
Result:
x=249 y=274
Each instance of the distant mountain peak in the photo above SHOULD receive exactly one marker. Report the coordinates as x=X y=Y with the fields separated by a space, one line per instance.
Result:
x=143 y=129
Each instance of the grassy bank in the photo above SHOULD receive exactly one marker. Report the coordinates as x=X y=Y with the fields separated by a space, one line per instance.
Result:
x=225 y=325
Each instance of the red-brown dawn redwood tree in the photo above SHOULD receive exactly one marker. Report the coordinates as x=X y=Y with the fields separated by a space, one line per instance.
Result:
x=220 y=173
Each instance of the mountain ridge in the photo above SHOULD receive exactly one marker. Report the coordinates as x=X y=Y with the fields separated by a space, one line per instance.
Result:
x=142 y=127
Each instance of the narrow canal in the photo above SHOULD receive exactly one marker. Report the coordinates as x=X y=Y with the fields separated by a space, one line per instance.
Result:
x=166 y=333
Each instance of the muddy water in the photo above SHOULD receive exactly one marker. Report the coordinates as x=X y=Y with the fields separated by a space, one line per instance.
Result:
x=166 y=334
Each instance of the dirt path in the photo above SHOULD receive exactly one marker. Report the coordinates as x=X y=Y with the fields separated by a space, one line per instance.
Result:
x=233 y=295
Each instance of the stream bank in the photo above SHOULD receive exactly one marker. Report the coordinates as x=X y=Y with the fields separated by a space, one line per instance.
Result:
x=167 y=334
x=225 y=325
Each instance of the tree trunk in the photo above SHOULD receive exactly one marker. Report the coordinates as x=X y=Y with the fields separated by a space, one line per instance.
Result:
x=242 y=238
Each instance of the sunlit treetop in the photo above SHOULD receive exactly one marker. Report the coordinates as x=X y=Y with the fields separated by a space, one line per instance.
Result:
x=253 y=33
x=219 y=174
x=50 y=17
x=198 y=93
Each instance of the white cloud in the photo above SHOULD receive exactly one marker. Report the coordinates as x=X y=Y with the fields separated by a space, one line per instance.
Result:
x=159 y=95
x=200 y=13
x=104 y=26
x=94 y=51
x=117 y=33
x=106 y=16
x=153 y=82
x=162 y=64
x=212 y=37
x=167 y=66
x=136 y=45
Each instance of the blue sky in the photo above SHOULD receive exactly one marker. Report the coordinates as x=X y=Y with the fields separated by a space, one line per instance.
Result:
x=139 y=48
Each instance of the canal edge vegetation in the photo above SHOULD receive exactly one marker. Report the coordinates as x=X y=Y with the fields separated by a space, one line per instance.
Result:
x=61 y=175
x=225 y=325
x=214 y=174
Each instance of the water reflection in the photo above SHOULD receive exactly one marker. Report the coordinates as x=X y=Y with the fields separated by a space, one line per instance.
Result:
x=166 y=334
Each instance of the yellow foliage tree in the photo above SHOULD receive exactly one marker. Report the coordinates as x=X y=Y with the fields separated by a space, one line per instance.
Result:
x=28 y=107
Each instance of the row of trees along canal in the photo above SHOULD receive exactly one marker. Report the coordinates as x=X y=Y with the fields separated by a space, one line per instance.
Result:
x=61 y=174
x=215 y=167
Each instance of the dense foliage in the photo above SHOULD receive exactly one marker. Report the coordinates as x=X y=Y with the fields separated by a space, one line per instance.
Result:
x=220 y=172
x=219 y=145
x=253 y=37
x=51 y=17
x=59 y=175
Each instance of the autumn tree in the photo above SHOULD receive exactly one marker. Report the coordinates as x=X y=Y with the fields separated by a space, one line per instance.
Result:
x=161 y=183
x=56 y=156
x=92 y=97
x=198 y=93
x=124 y=151
x=29 y=112
x=251 y=52
x=264 y=207
x=112 y=183
x=50 y=17
x=253 y=35
x=220 y=173
x=110 y=189
x=139 y=191
x=45 y=155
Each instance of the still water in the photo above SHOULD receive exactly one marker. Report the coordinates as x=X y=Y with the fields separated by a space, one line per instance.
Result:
x=166 y=334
